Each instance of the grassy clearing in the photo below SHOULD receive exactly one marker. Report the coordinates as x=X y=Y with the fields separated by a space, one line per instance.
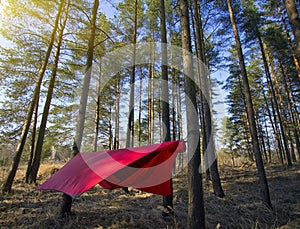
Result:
x=100 y=208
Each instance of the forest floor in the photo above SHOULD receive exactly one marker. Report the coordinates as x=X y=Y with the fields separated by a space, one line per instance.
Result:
x=101 y=208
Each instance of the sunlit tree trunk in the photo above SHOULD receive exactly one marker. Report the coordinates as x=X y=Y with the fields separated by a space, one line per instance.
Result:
x=292 y=46
x=33 y=140
x=196 y=213
x=41 y=134
x=267 y=59
x=67 y=200
x=97 y=111
x=150 y=115
x=207 y=105
x=130 y=124
x=86 y=80
x=292 y=114
x=6 y=187
x=249 y=108
x=292 y=11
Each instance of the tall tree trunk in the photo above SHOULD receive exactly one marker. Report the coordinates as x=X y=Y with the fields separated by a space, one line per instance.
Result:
x=130 y=125
x=266 y=59
x=33 y=139
x=140 y=107
x=149 y=108
x=292 y=46
x=151 y=95
x=6 y=187
x=198 y=41
x=294 y=19
x=174 y=93
x=67 y=200
x=97 y=111
x=207 y=105
x=110 y=132
x=292 y=114
x=117 y=115
x=165 y=109
x=275 y=125
x=86 y=80
x=42 y=129
x=249 y=107
x=196 y=213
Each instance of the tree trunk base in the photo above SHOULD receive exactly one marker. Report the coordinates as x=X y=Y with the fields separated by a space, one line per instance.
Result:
x=168 y=209
x=66 y=206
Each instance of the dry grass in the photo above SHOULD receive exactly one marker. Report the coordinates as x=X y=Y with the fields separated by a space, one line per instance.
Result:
x=100 y=208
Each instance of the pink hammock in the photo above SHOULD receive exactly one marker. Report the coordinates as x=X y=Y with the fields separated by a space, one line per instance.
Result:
x=147 y=168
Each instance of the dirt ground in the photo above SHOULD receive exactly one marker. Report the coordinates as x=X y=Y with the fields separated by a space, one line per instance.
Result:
x=100 y=208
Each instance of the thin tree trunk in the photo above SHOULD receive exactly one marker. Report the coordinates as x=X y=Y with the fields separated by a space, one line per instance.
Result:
x=165 y=109
x=41 y=135
x=174 y=92
x=292 y=114
x=97 y=111
x=249 y=107
x=149 y=108
x=271 y=120
x=130 y=125
x=196 y=213
x=294 y=19
x=33 y=139
x=140 y=107
x=67 y=200
x=6 y=187
x=86 y=80
x=110 y=132
x=285 y=143
x=117 y=115
x=152 y=101
x=292 y=46
x=274 y=124
x=206 y=87
x=198 y=40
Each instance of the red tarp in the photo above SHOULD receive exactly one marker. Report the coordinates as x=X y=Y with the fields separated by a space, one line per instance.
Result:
x=146 y=168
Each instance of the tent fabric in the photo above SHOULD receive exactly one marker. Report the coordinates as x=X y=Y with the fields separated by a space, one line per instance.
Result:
x=147 y=168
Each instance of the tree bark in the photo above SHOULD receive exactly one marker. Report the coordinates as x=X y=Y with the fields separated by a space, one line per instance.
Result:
x=250 y=111
x=86 y=80
x=294 y=19
x=165 y=109
x=140 y=107
x=292 y=46
x=196 y=213
x=292 y=114
x=207 y=106
x=42 y=129
x=130 y=125
x=6 y=187
x=67 y=200
x=33 y=139
x=279 y=115
x=117 y=115
x=97 y=111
